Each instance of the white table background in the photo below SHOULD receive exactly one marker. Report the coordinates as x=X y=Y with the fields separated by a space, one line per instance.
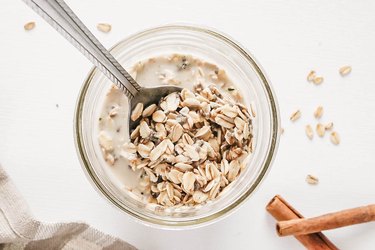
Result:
x=39 y=69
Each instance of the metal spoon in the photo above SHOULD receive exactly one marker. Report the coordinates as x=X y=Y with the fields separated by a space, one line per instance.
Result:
x=58 y=14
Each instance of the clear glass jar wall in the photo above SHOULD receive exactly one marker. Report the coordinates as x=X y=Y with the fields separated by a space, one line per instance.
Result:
x=213 y=47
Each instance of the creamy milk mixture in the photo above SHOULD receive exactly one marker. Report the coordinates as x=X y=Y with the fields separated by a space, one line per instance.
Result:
x=180 y=70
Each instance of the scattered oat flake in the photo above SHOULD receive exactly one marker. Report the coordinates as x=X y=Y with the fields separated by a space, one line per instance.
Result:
x=318 y=112
x=329 y=126
x=345 y=70
x=295 y=116
x=309 y=132
x=311 y=76
x=312 y=179
x=320 y=129
x=29 y=26
x=104 y=27
x=318 y=80
x=335 y=138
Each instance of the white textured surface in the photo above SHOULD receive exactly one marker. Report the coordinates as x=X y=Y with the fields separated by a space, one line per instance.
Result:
x=39 y=70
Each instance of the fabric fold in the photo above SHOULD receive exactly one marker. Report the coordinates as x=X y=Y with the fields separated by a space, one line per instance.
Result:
x=19 y=230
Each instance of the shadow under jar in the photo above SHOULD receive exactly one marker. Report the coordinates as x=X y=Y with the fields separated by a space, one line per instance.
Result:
x=243 y=71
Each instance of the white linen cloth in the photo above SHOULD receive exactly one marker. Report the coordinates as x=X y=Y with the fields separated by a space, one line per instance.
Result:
x=19 y=230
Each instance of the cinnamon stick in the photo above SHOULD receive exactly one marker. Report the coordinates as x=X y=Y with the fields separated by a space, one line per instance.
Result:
x=281 y=210
x=328 y=221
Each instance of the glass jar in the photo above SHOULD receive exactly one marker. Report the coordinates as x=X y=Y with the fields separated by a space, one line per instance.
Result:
x=243 y=71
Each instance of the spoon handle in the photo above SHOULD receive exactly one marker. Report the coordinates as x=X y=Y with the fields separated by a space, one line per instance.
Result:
x=61 y=17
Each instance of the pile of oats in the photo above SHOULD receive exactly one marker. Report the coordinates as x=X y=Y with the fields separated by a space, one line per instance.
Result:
x=190 y=145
